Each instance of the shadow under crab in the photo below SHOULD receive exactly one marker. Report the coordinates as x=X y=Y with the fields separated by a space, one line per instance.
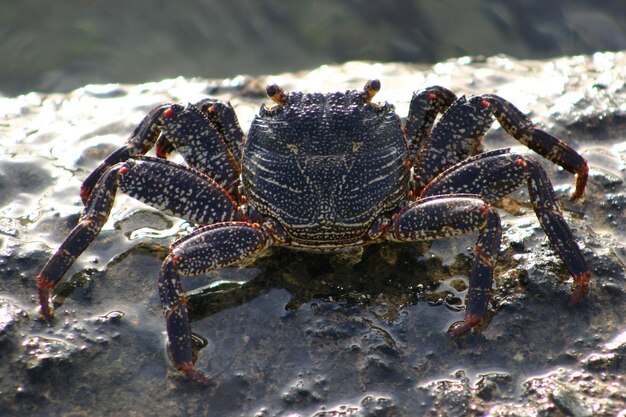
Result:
x=324 y=172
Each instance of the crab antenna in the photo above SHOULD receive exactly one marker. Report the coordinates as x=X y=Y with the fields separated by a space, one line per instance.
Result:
x=277 y=94
x=369 y=91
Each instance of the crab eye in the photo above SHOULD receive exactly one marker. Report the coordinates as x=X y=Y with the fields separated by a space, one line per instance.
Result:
x=370 y=89
x=277 y=94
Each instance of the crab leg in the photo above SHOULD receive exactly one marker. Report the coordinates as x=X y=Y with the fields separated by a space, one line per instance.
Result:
x=224 y=118
x=207 y=249
x=140 y=141
x=207 y=134
x=92 y=219
x=452 y=215
x=208 y=137
x=519 y=126
x=187 y=194
x=454 y=138
x=498 y=173
x=423 y=110
x=462 y=126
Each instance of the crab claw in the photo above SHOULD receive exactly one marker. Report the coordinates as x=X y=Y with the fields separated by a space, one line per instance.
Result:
x=369 y=91
x=277 y=94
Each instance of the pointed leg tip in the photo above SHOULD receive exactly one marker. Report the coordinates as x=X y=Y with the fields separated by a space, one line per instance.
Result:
x=578 y=193
x=459 y=329
x=195 y=375
x=199 y=378
x=577 y=295
x=582 y=176
x=581 y=288
x=463 y=327
x=44 y=297
x=46 y=313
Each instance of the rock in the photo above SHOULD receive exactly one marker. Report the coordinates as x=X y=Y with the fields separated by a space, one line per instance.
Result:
x=576 y=394
x=293 y=333
x=11 y=316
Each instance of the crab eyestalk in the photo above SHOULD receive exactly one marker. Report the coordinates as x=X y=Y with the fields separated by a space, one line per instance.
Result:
x=369 y=91
x=277 y=94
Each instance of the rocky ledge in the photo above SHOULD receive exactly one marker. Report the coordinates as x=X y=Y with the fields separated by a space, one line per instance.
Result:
x=359 y=333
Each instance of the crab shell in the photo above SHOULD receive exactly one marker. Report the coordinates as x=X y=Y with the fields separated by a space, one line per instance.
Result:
x=325 y=166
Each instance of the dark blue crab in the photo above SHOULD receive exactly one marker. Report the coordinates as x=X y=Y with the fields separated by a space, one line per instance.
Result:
x=323 y=172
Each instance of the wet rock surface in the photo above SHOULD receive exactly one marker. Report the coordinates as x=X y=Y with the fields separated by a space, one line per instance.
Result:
x=292 y=333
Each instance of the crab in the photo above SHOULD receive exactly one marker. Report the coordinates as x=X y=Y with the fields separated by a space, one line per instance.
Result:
x=325 y=172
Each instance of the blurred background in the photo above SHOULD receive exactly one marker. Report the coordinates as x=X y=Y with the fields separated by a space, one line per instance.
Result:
x=61 y=45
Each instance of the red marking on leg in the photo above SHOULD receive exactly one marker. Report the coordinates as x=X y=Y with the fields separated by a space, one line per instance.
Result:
x=160 y=153
x=520 y=162
x=484 y=104
x=582 y=175
x=432 y=96
x=175 y=259
x=123 y=170
x=212 y=109
x=485 y=209
x=168 y=113
x=384 y=226
x=85 y=193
